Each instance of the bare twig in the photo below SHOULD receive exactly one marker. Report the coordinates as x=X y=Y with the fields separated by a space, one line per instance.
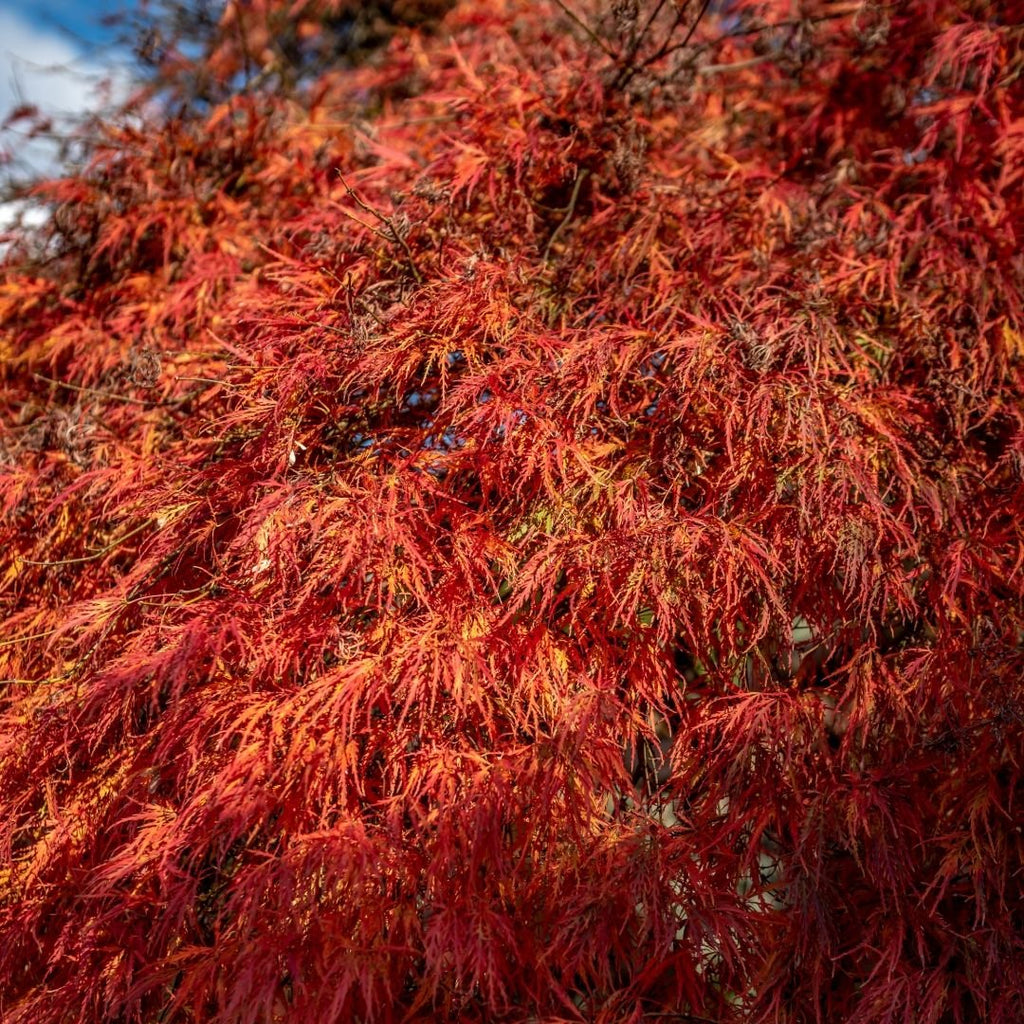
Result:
x=590 y=32
x=569 y=210
x=396 y=236
x=208 y=380
x=96 y=554
x=666 y=49
x=99 y=392
x=33 y=682
x=334 y=126
x=813 y=19
x=638 y=38
x=631 y=67
x=30 y=636
x=716 y=68
x=721 y=69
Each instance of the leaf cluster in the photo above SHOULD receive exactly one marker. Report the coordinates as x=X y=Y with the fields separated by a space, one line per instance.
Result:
x=495 y=532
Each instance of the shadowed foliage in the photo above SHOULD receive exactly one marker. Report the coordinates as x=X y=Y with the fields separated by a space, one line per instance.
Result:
x=524 y=523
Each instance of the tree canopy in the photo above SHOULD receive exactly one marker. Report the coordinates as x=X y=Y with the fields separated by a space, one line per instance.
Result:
x=514 y=513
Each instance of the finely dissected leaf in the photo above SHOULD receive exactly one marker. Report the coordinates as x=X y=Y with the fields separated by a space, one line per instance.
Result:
x=518 y=517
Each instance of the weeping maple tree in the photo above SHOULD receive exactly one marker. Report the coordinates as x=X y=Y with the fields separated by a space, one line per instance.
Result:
x=523 y=522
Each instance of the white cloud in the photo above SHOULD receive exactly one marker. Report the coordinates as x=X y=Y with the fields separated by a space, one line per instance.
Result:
x=36 y=67
x=44 y=69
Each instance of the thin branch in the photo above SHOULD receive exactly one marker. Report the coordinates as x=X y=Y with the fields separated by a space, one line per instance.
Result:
x=786 y=23
x=683 y=1018
x=396 y=238
x=101 y=393
x=638 y=40
x=570 y=209
x=324 y=327
x=33 y=682
x=666 y=49
x=655 y=11
x=96 y=554
x=590 y=32
x=362 y=223
x=161 y=600
x=715 y=68
x=631 y=69
x=209 y=380
x=721 y=69
x=30 y=636
x=334 y=126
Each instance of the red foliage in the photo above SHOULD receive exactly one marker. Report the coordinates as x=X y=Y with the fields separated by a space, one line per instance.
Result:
x=528 y=527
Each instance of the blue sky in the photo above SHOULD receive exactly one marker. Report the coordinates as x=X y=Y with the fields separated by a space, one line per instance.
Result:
x=81 y=19
x=54 y=54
